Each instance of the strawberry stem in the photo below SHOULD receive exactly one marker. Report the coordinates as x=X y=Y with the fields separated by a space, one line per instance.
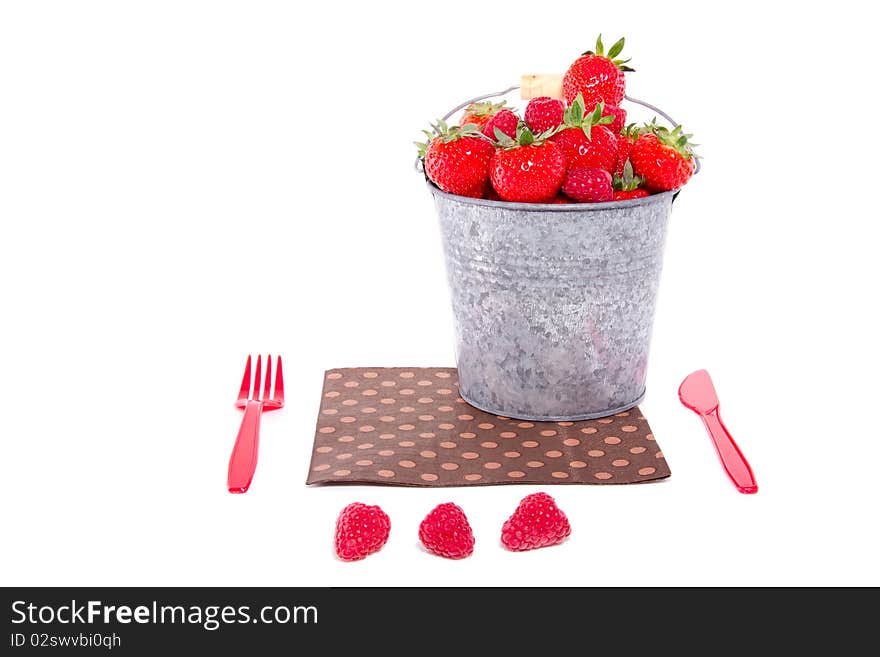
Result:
x=613 y=52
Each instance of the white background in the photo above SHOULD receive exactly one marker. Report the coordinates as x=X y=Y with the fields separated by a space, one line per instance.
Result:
x=182 y=183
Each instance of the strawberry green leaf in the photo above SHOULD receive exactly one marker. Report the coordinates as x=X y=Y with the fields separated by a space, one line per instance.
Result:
x=524 y=137
x=446 y=133
x=503 y=138
x=615 y=50
x=484 y=108
x=628 y=181
x=600 y=49
x=675 y=139
x=577 y=108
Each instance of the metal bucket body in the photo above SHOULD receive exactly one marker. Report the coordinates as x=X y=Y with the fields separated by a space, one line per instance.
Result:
x=553 y=304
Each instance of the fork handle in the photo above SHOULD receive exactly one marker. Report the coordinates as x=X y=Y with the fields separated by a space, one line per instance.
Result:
x=243 y=461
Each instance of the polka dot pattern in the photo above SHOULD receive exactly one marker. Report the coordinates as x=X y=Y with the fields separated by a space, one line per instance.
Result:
x=439 y=440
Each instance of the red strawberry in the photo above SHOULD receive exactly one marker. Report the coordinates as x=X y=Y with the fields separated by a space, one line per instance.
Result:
x=619 y=116
x=544 y=113
x=625 y=140
x=528 y=169
x=360 y=531
x=537 y=522
x=480 y=113
x=627 y=195
x=456 y=160
x=588 y=185
x=585 y=140
x=597 y=76
x=505 y=120
x=664 y=158
x=446 y=532
x=627 y=185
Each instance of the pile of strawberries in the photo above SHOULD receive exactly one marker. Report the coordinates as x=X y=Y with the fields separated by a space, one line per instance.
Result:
x=579 y=150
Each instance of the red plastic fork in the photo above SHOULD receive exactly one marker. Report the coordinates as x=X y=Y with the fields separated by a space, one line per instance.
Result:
x=243 y=461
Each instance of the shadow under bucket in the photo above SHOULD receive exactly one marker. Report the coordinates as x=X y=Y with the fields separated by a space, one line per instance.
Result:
x=553 y=304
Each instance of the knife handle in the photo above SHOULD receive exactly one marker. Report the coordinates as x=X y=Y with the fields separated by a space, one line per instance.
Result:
x=732 y=459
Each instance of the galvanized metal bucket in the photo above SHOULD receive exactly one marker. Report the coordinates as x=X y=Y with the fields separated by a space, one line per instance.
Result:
x=553 y=303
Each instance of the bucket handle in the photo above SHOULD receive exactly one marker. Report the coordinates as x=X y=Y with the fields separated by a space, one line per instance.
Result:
x=496 y=94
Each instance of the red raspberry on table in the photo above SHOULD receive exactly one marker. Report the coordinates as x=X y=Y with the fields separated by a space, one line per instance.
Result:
x=588 y=185
x=361 y=530
x=537 y=522
x=445 y=531
x=544 y=113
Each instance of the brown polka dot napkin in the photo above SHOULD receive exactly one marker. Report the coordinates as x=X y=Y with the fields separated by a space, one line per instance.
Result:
x=409 y=427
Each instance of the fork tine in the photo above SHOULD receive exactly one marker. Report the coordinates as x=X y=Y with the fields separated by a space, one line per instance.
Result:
x=267 y=387
x=257 y=379
x=279 y=381
x=245 y=382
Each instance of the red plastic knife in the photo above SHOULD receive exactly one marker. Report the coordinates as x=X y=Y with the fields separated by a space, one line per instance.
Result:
x=698 y=394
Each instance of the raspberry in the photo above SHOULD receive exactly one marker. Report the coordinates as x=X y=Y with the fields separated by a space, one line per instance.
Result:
x=537 y=522
x=445 y=531
x=543 y=113
x=360 y=531
x=505 y=120
x=588 y=185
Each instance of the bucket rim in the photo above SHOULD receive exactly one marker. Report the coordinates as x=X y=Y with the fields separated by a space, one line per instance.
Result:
x=555 y=207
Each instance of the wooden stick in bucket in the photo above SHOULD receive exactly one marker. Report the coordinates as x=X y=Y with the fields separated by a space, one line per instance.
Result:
x=541 y=84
